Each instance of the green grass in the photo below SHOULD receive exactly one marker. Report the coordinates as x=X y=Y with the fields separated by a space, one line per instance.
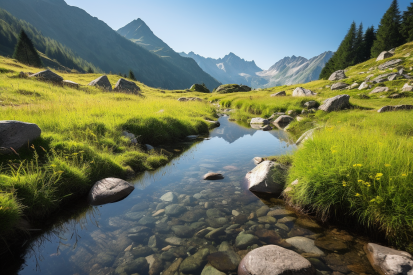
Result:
x=81 y=139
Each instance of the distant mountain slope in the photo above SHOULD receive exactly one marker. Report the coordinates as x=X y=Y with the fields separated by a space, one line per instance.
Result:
x=138 y=32
x=230 y=70
x=53 y=55
x=294 y=70
x=97 y=43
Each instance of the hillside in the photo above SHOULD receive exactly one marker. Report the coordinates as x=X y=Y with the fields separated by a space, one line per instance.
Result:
x=138 y=32
x=96 y=42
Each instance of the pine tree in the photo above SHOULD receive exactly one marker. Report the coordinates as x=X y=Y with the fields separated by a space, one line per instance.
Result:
x=359 y=46
x=90 y=70
x=25 y=52
x=369 y=38
x=406 y=28
x=131 y=75
x=388 y=35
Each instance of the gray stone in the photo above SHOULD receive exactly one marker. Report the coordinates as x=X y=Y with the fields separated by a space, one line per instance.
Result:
x=379 y=90
x=306 y=136
x=154 y=242
x=387 y=261
x=339 y=86
x=383 y=55
x=300 y=91
x=279 y=94
x=262 y=211
x=336 y=103
x=259 y=120
x=139 y=265
x=102 y=82
x=407 y=88
x=215 y=233
x=124 y=85
x=267 y=177
x=174 y=210
x=232 y=88
x=274 y=260
x=214 y=213
x=109 y=190
x=305 y=244
x=267 y=219
x=193 y=215
x=390 y=63
x=224 y=260
x=395 y=108
x=16 y=134
x=258 y=160
x=217 y=222
x=337 y=75
x=225 y=246
x=310 y=104
x=48 y=75
x=173 y=241
x=210 y=270
x=354 y=85
x=280 y=213
x=182 y=231
x=213 y=176
x=283 y=120
x=169 y=197
x=363 y=86
x=244 y=240
x=70 y=84
x=147 y=220
x=194 y=263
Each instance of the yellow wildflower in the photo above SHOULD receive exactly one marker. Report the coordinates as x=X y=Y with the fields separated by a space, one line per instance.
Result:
x=378 y=175
x=357 y=165
x=387 y=165
x=358 y=195
x=404 y=175
x=360 y=180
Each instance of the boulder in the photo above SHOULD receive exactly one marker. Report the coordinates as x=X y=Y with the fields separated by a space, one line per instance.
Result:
x=407 y=88
x=266 y=128
x=310 y=104
x=258 y=160
x=384 y=55
x=337 y=75
x=390 y=63
x=102 y=82
x=259 y=120
x=387 y=261
x=16 y=134
x=279 y=94
x=71 y=84
x=274 y=260
x=339 y=86
x=48 y=75
x=213 y=176
x=304 y=244
x=261 y=178
x=232 y=88
x=384 y=77
x=336 y=103
x=124 y=85
x=199 y=88
x=379 y=90
x=109 y=190
x=300 y=91
x=395 y=108
x=363 y=86
x=283 y=120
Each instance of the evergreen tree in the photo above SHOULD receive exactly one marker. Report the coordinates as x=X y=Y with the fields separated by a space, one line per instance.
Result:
x=25 y=52
x=90 y=70
x=359 y=46
x=369 y=38
x=388 y=35
x=406 y=28
x=131 y=75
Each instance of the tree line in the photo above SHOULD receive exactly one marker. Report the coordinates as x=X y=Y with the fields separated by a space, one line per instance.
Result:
x=359 y=46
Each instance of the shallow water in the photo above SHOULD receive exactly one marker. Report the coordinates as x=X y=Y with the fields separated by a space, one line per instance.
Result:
x=116 y=238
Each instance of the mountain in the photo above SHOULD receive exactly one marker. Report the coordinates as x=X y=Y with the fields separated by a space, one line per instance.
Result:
x=94 y=41
x=294 y=70
x=138 y=32
x=230 y=70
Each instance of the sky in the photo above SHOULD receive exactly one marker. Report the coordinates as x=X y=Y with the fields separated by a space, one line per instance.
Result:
x=261 y=30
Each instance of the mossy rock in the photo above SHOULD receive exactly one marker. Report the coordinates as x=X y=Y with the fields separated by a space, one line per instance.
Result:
x=200 y=88
x=232 y=88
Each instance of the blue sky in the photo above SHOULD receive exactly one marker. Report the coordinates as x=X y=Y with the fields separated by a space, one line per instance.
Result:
x=261 y=30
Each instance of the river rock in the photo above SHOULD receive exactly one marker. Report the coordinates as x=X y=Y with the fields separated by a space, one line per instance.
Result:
x=109 y=190
x=274 y=260
x=141 y=251
x=244 y=240
x=224 y=246
x=155 y=264
x=279 y=94
x=124 y=85
x=363 y=85
x=300 y=91
x=217 y=222
x=194 y=263
x=174 y=241
x=139 y=265
x=336 y=103
x=308 y=223
x=267 y=219
x=169 y=197
x=173 y=267
x=278 y=213
x=192 y=216
x=182 y=231
x=214 y=213
x=268 y=236
x=330 y=243
x=337 y=75
x=407 y=88
x=240 y=219
x=379 y=90
x=225 y=260
x=259 y=120
x=261 y=178
x=213 y=176
x=48 y=75
x=262 y=211
x=16 y=134
x=387 y=261
x=395 y=108
x=102 y=82
x=210 y=270
x=174 y=210
x=390 y=63
x=383 y=55
x=283 y=120
x=339 y=86
x=215 y=233
x=305 y=244
x=154 y=241
x=147 y=220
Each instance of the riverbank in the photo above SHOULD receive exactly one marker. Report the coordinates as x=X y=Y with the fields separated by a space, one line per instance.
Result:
x=83 y=138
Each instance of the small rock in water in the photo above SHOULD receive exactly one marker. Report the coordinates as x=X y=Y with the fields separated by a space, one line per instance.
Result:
x=305 y=244
x=224 y=202
x=159 y=212
x=174 y=241
x=210 y=270
x=169 y=197
x=224 y=261
x=330 y=243
x=278 y=213
x=235 y=213
x=244 y=240
x=258 y=160
x=262 y=211
x=213 y=176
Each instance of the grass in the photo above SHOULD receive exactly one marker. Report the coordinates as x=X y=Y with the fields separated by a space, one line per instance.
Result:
x=81 y=139
x=359 y=164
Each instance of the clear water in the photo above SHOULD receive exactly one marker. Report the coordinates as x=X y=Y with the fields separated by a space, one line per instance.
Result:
x=105 y=239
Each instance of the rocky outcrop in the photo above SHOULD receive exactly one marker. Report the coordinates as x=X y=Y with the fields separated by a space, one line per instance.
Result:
x=127 y=86
x=213 y=176
x=199 y=88
x=259 y=120
x=102 y=82
x=283 y=120
x=232 y=88
x=390 y=64
x=279 y=94
x=48 y=75
x=274 y=260
x=300 y=91
x=336 y=103
x=339 y=86
x=385 y=77
x=267 y=177
x=395 y=108
x=384 y=55
x=16 y=134
x=387 y=261
x=109 y=190
x=379 y=90
x=337 y=75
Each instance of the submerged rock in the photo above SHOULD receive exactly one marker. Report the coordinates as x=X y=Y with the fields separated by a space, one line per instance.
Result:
x=169 y=197
x=244 y=240
x=16 y=134
x=387 y=261
x=213 y=176
x=194 y=263
x=305 y=244
x=109 y=190
x=174 y=210
x=210 y=270
x=267 y=177
x=225 y=260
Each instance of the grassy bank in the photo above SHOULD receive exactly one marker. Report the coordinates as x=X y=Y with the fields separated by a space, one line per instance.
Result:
x=359 y=164
x=81 y=139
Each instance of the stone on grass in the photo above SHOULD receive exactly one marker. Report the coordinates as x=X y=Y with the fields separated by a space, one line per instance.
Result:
x=279 y=94
x=266 y=177
x=379 y=90
x=16 y=134
x=336 y=103
x=124 y=85
x=387 y=261
x=407 y=88
x=337 y=75
x=363 y=86
x=339 y=86
x=390 y=63
x=102 y=82
x=354 y=85
x=395 y=108
x=306 y=136
x=274 y=260
x=283 y=120
x=310 y=104
x=383 y=55
x=48 y=75
x=71 y=84
x=300 y=91
x=109 y=190
x=213 y=176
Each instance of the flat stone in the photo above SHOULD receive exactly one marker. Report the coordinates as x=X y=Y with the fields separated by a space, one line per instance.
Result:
x=147 y=221
x=192 y=216
x=307 y=223
x=174 y=210
x=213 y=176
x=279 y=94
x=390 y=63
x=304 y=244
x=278 y=213
x=267 y=219
x=109 y=190
x=182 y=231
x=15 y=135
x=379 y=90
x=330 y=243
x=159 y=212
x=224 y=260
x=387 y=261
x=215 y=233
x=262 y=211
x=210 y=270
x=174 y=241
x=194 y=263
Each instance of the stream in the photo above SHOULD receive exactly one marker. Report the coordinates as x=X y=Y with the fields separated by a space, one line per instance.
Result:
x=121 y=238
